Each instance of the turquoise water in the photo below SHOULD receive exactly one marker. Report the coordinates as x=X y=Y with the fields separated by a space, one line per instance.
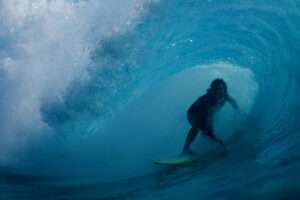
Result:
x=93 y=92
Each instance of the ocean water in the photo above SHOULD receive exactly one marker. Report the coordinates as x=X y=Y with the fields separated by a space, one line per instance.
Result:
x=93 y=91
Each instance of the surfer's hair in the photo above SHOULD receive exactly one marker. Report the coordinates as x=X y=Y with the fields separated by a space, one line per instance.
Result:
x=217 y=84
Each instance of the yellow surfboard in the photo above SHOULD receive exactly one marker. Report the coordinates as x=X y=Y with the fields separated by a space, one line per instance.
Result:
x=180 y=160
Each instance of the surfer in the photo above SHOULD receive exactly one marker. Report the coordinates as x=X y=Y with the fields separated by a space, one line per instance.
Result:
x=200 y=114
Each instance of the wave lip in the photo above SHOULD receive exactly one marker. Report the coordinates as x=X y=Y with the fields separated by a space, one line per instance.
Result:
x=46 y=46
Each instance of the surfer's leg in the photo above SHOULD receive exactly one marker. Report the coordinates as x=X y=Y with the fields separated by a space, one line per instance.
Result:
x=189 y=139
x=210 y=133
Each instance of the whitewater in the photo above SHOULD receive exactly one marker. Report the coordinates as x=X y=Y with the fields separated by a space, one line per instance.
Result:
x=93 y=91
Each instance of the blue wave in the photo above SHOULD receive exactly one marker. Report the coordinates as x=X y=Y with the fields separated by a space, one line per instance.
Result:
x=106 y=130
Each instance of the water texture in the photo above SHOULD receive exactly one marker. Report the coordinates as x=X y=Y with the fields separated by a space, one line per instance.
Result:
x=94 y=91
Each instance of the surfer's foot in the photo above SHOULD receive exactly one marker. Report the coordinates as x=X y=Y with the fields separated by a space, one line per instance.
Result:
x=187 y=151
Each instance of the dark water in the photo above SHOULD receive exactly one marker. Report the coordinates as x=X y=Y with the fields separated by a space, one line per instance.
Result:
x=96 y=101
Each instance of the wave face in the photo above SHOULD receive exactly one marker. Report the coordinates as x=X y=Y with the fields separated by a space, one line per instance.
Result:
x=93 y=91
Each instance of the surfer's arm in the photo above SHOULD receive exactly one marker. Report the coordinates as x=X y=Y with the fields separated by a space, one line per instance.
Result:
x=233 y=103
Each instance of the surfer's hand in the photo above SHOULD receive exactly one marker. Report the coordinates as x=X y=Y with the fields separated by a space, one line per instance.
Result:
x=241 y=121
x=241 y=114
x=222 y=144
x=225 y=148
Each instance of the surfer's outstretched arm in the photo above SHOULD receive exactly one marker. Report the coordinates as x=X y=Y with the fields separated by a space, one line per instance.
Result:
x=233 y=103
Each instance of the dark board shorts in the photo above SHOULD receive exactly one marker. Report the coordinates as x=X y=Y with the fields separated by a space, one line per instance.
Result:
x=199 y=120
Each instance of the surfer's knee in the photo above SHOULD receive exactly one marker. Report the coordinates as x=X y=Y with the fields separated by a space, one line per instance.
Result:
x=194 y=130
x=192 y=119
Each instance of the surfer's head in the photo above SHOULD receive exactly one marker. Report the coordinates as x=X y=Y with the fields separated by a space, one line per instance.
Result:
x=218 y=85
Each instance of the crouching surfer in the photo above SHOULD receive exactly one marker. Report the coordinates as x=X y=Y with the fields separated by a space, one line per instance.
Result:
x=201 y=113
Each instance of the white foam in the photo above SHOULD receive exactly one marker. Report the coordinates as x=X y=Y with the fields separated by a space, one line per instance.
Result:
x=47 y=46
